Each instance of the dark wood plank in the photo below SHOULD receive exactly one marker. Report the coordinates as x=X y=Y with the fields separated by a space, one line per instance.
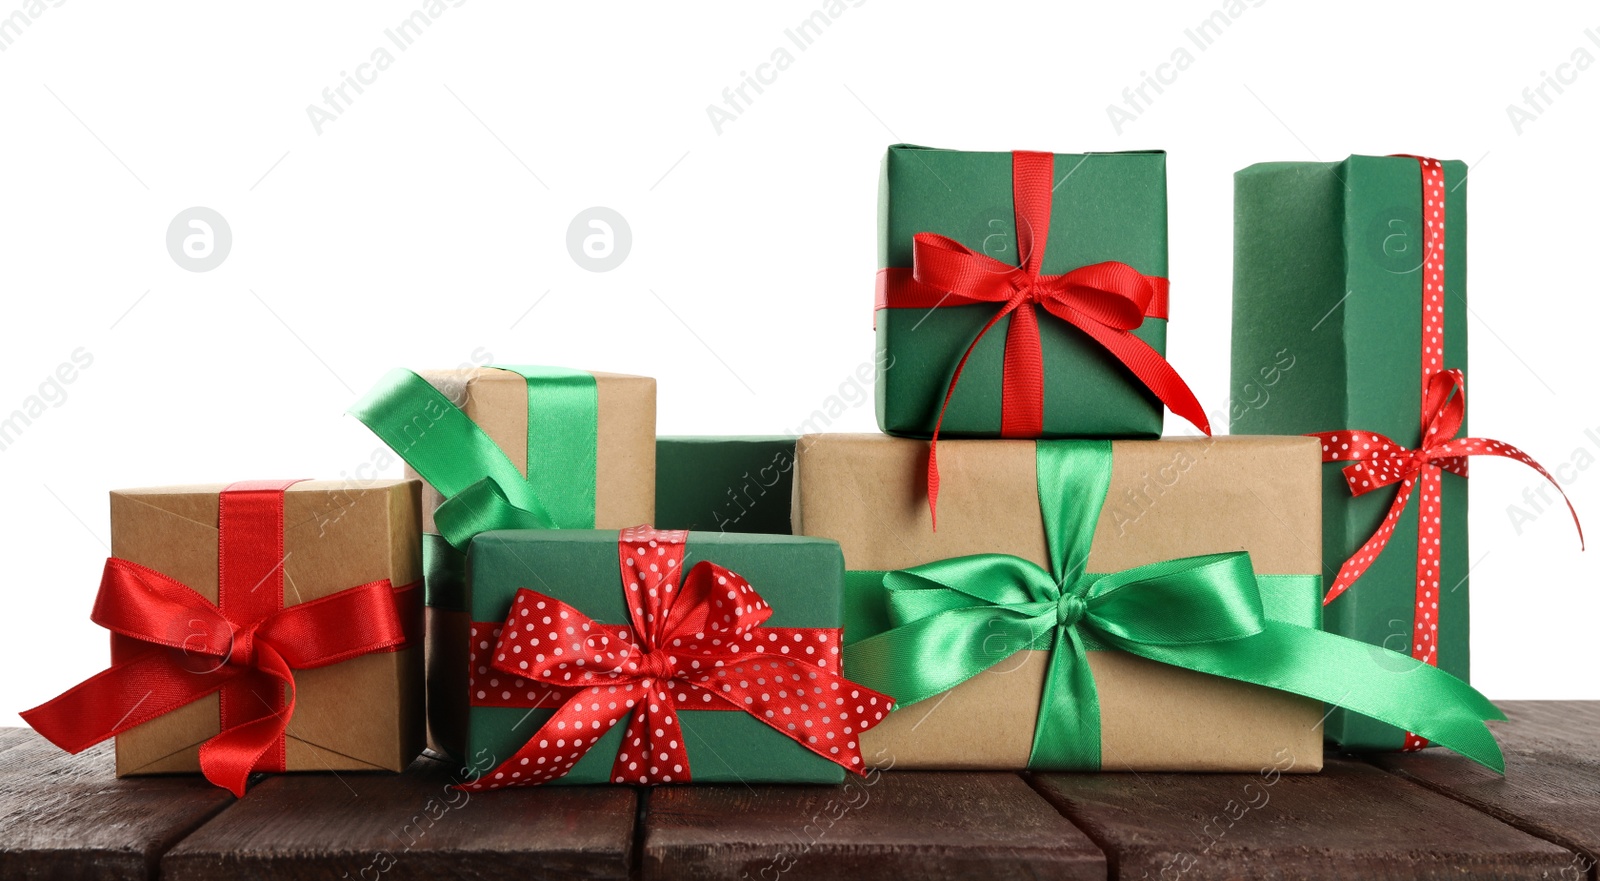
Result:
x=1552 y=783
x=411 y=826
x=69 y=817
x=885 y=826
x=1350 y=821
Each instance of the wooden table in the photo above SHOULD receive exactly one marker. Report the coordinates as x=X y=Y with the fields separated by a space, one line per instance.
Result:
x=1429 y=815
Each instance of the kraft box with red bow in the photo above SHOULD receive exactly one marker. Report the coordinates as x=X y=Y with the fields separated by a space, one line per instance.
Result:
x=261 y=626
x=1024 y=295
x=651 y=656
x=1350 y=323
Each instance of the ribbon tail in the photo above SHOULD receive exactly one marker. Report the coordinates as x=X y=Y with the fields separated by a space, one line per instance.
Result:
x=482 y=507
x=227 y=759
x=1067 y=734
x=950 y=390
x=928 y=656
x=122 y=697
x=564 y=738
x=1362 y=559
x=1362 y=678
x=1151 y=369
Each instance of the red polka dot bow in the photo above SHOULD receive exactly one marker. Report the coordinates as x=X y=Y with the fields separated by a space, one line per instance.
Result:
x=1378 y=461
x=697 y=643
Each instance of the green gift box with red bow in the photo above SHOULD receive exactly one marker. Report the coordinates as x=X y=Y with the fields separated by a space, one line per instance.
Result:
x=1024 y=295
x=653 y=656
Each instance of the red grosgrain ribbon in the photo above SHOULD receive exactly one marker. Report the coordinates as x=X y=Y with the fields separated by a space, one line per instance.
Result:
x=1379 y=461
x=696 y=644
x=171 y=646
x=1107 y=301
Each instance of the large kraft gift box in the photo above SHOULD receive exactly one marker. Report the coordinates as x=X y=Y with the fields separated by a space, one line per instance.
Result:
x=717 y=686
x=1084 y=236
x=619 y=450
x=1167 y=499
x=361 y=714
x=1350 y=321
x=739 y=483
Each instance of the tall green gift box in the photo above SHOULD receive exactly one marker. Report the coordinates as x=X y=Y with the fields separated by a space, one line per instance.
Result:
x=1102 y=207
x=1328 y=312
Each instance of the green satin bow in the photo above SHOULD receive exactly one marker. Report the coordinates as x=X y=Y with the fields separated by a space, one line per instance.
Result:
x=950 y=620
x=483 y=489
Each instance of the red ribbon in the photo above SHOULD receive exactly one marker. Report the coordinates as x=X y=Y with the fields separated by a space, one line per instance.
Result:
x=1107 y=301
x=1379 y=461
x=697 y=643
x=171 y=646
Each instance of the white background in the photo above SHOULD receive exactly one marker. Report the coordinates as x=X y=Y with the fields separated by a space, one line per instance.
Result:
x=430 y=217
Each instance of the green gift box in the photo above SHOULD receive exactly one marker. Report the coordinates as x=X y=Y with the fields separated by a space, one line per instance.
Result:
x=800 y=578
x=1328 y=314
x=1077 y=213
x=725 y=484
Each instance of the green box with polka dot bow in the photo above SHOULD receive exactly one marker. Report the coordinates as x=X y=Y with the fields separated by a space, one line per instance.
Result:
x=802 y=579
x=1328 y=325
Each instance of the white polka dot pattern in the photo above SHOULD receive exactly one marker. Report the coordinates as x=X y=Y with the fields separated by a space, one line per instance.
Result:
x=696 y=644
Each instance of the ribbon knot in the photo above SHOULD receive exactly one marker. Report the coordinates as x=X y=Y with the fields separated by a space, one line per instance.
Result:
x=1070 y=610
x=658 y=666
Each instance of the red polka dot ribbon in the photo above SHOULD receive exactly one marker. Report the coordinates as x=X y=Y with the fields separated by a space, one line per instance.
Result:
x=1378 y=461
x=696 y=643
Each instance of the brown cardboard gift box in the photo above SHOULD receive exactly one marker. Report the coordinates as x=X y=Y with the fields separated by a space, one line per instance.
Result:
x=625 y=481
x=363 y=714
x=1168 y=499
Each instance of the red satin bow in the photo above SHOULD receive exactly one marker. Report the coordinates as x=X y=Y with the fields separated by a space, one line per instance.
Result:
x=1378 y=461
x=1107 y=301
x=698 y=644
x=189 y=649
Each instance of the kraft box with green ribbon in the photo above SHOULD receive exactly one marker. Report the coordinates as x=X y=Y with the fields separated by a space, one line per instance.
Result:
x=1350 y=321
x=1086 y=605
x=513 y=447
x=1024 y=294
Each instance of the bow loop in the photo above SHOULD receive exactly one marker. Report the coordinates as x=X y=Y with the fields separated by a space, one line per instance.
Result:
x=1112 y=294
x=723 y=604
x=547 y=640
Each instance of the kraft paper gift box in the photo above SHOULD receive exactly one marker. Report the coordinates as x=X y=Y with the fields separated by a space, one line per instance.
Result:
x=324 y=541
x=1079 y=214
x=1350 y=303
x=1167 y=499
x=725 y=484
x=521 y=416
x=587 y=579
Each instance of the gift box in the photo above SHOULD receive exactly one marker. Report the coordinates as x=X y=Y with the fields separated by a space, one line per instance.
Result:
x=1099 y=604
x=648 y=656
x=1350 y=320
x=503 y=448
x=1024 y=295
x=257 y=627
x=724 y=484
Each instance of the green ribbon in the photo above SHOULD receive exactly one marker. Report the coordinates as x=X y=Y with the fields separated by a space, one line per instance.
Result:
x=951 y=620
x=483 y=489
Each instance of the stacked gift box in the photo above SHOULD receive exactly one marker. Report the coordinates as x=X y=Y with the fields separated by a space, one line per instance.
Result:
x=1019 y=573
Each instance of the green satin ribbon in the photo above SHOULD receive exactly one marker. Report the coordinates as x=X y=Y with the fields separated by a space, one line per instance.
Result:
x=951 y=620
x=483 y=489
